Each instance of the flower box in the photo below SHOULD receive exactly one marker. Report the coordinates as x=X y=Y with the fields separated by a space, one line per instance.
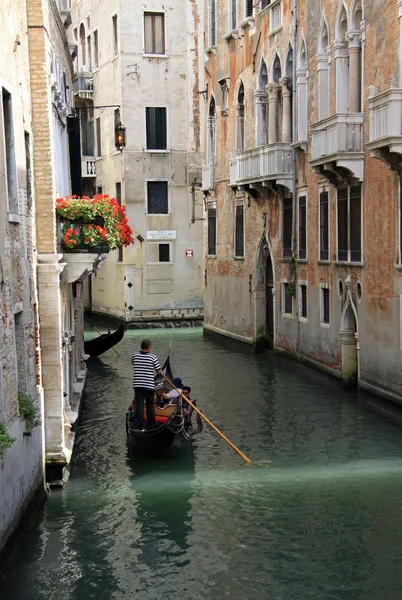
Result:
x=94 y=225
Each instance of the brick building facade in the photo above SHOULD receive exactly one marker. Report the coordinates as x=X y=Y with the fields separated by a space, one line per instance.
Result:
x=301 y=182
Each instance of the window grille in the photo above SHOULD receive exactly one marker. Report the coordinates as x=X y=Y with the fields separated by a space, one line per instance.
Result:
x=302 y=227
x=157 y=197
x=324 y=226
x=212 y=231
x=156 y=128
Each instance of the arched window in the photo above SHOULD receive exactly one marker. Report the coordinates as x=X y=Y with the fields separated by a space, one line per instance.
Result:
x=211 y=144
x=322 y=68
x=301 y=82
x=261 y=124
x=355 y=58
x=240 y=119
x=341 y=61
x=287 y=98
x=275 y=103
x=83 y=46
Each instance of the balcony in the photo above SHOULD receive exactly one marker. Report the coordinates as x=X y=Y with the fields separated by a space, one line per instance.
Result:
x=267 y=166
x=208 y=178
x=83 y=85
x=88 y=166
x=385 y=113
x=337 y=147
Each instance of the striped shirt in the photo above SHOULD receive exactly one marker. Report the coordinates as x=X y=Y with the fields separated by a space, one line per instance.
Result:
x=144 y=364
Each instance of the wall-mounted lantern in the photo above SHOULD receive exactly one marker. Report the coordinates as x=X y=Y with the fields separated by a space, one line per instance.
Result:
x=119 y=137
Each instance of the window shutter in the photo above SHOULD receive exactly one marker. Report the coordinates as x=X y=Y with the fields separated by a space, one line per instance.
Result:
x=355 y=224
x=239 y=237
x=287 y=227
x=302 y=228
x=233 y=14
x=157 y=196
x=212 y=231
x=249 y=8
x=343 y=224
x=324 y=233
x=156 y=128
x=213 y=23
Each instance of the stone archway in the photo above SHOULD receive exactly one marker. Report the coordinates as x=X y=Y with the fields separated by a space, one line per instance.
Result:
x=264 y=296
x=349 y=341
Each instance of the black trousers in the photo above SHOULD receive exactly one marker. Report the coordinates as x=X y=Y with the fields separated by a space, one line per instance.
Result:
x=142 y=395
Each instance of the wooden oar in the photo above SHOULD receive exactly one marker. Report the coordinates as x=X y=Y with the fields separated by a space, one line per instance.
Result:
x=97 y=331
x=239 y=452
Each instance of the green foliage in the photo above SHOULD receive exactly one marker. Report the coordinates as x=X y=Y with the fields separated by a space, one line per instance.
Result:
x=291 y=290
x=28 y=411
x=5 y=439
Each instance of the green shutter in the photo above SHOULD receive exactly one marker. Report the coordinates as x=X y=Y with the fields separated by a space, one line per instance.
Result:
x=233 y=14
x=213 y=23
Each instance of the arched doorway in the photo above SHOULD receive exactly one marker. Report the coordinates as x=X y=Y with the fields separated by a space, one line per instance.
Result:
x=264 y=297
x=269 y=301
x=349 y=342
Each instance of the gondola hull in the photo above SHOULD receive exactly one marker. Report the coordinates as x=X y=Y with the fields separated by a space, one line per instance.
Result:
x=104 y=342
x=163 y=441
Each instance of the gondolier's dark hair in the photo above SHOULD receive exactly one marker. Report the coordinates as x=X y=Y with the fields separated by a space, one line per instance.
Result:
x=145 y=344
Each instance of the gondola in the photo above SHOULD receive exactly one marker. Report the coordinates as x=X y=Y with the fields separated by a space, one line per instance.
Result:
x=104 y=342
x=170 y=436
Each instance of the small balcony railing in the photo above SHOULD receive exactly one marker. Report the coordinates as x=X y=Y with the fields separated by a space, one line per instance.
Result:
x=88 y=166
x=337 y=146
x=83 y=85
x=267 y=163
x=208 y=177
x=385 y=111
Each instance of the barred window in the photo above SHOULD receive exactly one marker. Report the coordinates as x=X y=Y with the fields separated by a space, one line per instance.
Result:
x=156 y=128
x=325 y=305
x=212 y=231
x=287 y=228
x=164 y=252
x=324 y=226
x=287 y=300
x=349 y=224
x=157 y=198
x=302 y=227
x=303 y=301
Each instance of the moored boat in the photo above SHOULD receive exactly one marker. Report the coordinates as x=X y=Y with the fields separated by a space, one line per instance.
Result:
x=171 y=433
x=104 y=342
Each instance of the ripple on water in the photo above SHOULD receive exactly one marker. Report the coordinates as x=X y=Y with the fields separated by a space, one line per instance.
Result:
x=319 y=518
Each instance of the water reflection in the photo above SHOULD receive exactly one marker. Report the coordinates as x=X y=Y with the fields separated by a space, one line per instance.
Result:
x=322 y=520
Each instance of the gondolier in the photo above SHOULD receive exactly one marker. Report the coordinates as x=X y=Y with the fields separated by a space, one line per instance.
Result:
x=145 y=364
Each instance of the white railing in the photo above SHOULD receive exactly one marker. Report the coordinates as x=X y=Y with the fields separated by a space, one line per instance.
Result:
x=385 y=112
x=208 y=177
x=88 y=167
x=270 y=162
x=83 y=82
x=339 y=134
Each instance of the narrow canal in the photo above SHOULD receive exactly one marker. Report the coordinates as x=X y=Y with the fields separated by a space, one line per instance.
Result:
x=322 y=520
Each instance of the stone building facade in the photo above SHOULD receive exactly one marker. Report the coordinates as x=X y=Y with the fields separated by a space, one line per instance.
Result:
x=21 y=469
x=41 y=325
x=302 y=183
x=141 y=65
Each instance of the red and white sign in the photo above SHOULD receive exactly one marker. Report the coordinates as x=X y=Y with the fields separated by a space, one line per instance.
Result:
x=189 y=253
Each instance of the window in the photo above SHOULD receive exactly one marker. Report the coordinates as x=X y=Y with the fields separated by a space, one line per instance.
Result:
x=96 y=49
x=156 y=128
x=349 y=224
x=302 y=228
x=164 y=252
x=87 y=133
x=28 y=168
x=89 y=46
x=212 y=231
x=325 y=305
x=303 y=301
x=98 y=138
x=83 y=48
x=240 y=119
x=400 y=224
x=118 y=198
x=157 y=198
x=239 y=231
x=9 y=147
x=249 y=8
x=324 y=226
x=99 y=189
x=154 y=33
x=232 y=15
x=275 y=21
x=265 y=3
x=212 y=23
x=115 y=40
x=287 y=228
x=287 y=300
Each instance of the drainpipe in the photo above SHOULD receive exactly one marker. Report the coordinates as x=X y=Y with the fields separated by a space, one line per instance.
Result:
x=294 y=137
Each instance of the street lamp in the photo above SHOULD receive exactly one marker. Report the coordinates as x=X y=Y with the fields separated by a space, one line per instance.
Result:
x=119 y=137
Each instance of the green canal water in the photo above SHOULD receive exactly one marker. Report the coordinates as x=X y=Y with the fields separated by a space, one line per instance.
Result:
x=320 y=519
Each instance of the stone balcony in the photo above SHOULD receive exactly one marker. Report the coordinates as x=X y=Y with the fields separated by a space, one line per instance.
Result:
x=267 y=166
x=208 y=178
x=385 y=114
x=83 y=85
x=88 y=166
x=337 y=147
